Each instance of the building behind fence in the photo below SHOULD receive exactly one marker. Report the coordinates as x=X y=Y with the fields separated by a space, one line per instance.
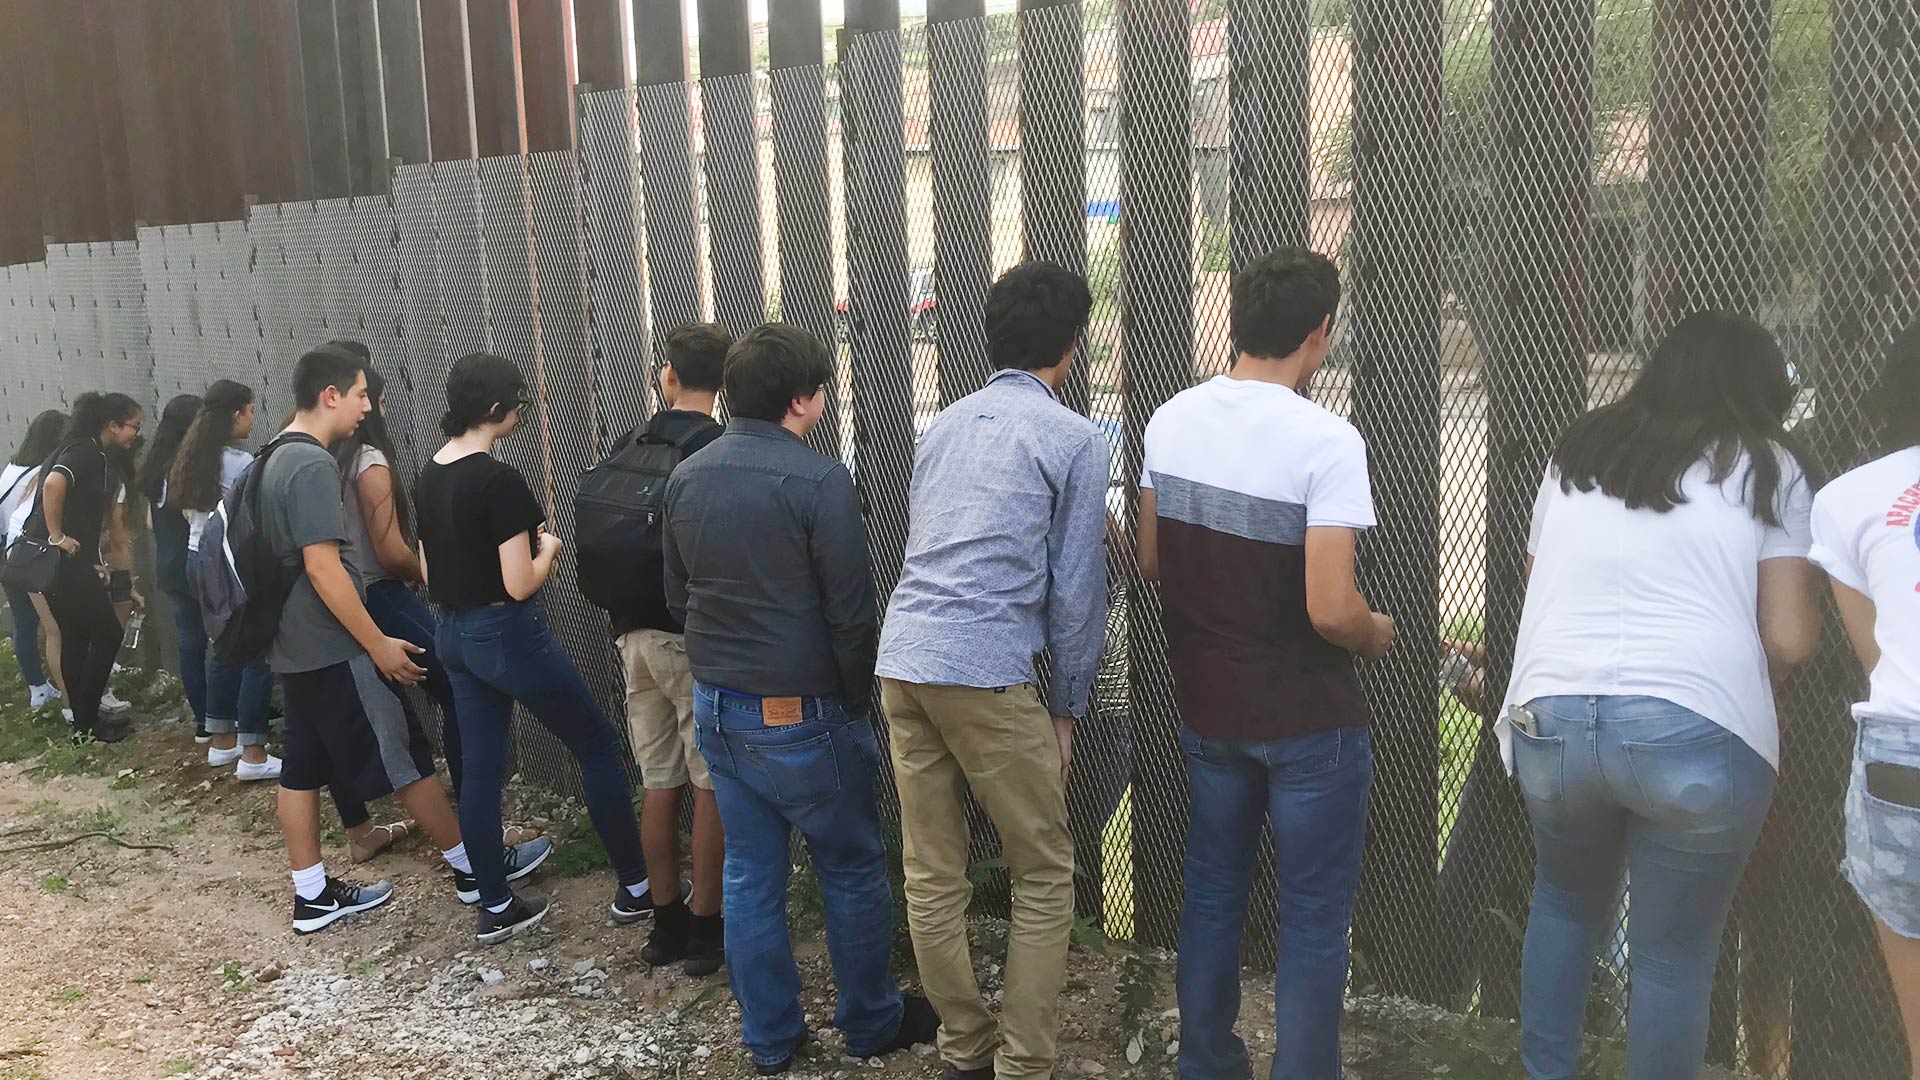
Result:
x=1521 y=196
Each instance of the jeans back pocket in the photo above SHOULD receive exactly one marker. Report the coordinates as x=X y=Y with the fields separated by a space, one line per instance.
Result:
x=796 y=773
x=1687 y=779
x=1539 y=764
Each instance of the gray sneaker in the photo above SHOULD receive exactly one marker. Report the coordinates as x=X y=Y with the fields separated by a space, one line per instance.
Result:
x=522 y=915
x=521 y=859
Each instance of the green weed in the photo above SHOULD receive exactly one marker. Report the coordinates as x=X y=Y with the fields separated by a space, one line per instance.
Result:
x=577 y=851
x=55 y=883
x=178 y=1068
x=69 y=995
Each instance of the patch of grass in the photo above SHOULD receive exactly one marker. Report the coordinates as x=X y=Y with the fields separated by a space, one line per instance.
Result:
x=151 y=693
x=234 y=980
x=143 y=980
x=69 y=995
x=178 y=1068
x=25 y=1070
x=55 y=883
x=363 y=968
x=577 y=850
x=123 y=782
x=102 y=818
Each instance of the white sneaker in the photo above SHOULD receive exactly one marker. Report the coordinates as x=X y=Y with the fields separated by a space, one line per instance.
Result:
x=266 y=770
x=41 y=695
x=220 y=759
x=110 y=703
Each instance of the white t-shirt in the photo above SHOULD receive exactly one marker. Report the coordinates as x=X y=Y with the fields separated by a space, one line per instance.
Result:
x=1638 y=603
x=1866 y=534
x=233 y=463
x=16 y=502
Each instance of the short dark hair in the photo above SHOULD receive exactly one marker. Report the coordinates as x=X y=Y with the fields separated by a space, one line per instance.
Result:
x=1279 y=300
x=770 y=366
x=318 y=369
x=697 y=352
x=1034 y=313
x=481 y=388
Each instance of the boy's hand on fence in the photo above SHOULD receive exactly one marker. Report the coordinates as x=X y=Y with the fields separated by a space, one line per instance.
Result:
x=1383 y=634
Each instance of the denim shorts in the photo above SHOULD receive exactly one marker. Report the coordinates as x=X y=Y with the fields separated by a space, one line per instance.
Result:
x=1883 y=838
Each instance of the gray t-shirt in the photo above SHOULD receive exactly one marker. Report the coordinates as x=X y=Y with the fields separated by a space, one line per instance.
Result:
x=367 y=559
x=301 y=504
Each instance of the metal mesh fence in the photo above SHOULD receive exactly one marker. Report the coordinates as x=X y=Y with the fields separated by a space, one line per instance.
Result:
x=1521 y=197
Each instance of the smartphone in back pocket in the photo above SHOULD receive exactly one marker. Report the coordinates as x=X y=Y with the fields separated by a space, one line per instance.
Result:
x=1897 y=784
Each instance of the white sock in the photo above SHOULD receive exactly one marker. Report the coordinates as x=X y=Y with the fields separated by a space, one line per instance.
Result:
x=308 y=884
x=504 y=905
x=640 y=890
x=456 y=857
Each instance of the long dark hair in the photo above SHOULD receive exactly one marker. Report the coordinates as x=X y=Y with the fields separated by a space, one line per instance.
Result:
x=175 y=419
x=194 y=483
x=1717 y=388
x=373 y=432
x=43 y=438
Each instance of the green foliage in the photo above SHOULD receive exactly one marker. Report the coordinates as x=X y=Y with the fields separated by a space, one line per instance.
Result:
x=55 y=883
x=1139 y=989
x=577 y=850
x=70 y=995
x=180 y=1067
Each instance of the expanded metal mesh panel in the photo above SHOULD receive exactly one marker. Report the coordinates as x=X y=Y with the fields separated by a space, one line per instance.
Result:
x=166 y=268
x=33 y=362
x=614 y=221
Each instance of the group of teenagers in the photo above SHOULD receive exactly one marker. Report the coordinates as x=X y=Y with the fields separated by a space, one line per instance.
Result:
x=1674 y=561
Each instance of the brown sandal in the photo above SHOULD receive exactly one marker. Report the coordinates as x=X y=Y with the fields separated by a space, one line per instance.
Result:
x=378 y=839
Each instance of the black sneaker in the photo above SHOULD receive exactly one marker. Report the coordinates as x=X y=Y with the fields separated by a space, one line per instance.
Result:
x=667 y=942
x=336 y=902
x=629 y=909
x=918 y=1024
x=111 y=729
x=521 y=859
x=785 y=1063
x=200 y=735
x=521 y=916
x=706 y=945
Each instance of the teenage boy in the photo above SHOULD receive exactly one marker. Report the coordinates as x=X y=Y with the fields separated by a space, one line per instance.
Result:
x=653 y=650
x=766 y=558
x=345 y=728
x=1006 y=556
x=1250 y=506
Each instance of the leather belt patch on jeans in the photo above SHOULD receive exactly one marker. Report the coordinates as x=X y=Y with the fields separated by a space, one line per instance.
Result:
x=780 y=711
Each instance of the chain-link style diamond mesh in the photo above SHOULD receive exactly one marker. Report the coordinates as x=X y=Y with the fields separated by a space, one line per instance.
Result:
x=1521 y=195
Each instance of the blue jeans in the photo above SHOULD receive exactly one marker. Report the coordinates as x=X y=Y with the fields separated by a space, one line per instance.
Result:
x=496 y=656
x=26 y=636
x=1313 y=791
x=816 y=775
x=1677 y=801
x=191 y=628
x=238 y=696
x=399 y=612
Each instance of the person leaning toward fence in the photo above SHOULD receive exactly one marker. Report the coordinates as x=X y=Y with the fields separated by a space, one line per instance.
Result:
x=345 y=729
x=622 y=567
x=1668 y=579
x=169 y=527
x=1251 y=502
x=487 y=556
x=1866 y=535
x=767 y=567
x=1006 y=556
x=74 y=497
x=17 y=481
x=210 y=462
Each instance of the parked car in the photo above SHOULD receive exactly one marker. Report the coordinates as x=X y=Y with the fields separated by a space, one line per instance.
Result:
x=922 y=308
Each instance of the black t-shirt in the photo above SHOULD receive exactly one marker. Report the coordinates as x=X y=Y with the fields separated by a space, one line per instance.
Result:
x=698 y=429
x=465 y=511
x=84 y=514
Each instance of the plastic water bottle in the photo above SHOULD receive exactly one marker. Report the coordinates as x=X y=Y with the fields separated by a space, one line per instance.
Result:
x=132 y=638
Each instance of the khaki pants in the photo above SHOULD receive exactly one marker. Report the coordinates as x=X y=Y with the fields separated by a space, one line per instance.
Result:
x=660 y=711
x=946 y=739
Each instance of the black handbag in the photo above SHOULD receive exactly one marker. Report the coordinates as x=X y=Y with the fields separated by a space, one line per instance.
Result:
x=32 y=563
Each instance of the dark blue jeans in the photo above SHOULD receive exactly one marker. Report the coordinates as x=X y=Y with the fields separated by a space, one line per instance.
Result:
x=1640 y=785
x=26 y=636
x=1312 y=790
x=496 y=656
x=191 y=628
x=399 y=612
x=238 y=696
x=817 y=776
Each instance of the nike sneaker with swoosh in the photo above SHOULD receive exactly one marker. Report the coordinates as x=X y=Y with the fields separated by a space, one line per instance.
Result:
x=521 y=859
x=337 y=901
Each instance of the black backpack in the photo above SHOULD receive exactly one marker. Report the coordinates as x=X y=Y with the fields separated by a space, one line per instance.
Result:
x=241 y=584
x=619 y=518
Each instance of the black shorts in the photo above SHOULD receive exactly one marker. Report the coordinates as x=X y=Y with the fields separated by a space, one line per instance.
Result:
x=346 y=730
